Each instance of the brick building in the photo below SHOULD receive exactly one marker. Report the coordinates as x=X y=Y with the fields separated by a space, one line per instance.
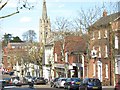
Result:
x=104 y=46
x=69 y=57
x=12 y=54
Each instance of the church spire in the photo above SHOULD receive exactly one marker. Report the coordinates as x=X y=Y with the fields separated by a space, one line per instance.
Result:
x=44 y=11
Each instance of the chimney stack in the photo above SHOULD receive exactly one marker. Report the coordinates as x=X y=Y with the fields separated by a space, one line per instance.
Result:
x=104 y=13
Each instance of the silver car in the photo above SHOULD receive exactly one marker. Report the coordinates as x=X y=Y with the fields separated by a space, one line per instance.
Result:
x=60 y=83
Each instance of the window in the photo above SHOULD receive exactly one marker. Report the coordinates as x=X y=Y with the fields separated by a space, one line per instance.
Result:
x=66 y=57
x=93 y=52
x=55 y=56
x=105 y=34
x=116 y=42
x=8 y=57
x=13 y=46
x=99 y=35
x=106 y=51
x=116 y=66
x=106 y=69
x=93 y=36
x=94 y=69
x=99 y=52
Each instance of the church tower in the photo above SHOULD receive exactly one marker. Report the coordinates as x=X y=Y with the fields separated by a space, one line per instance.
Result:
x=45 y=27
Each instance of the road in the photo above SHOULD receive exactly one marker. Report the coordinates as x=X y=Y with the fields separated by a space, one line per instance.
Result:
x=43 y=87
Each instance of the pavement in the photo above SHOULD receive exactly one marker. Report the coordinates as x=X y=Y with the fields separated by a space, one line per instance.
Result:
x=108 y=86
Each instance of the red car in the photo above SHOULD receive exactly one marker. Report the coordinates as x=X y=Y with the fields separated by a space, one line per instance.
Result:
x=117 y=86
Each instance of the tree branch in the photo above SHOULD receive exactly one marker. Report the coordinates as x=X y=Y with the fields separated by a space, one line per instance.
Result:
x=2 y=6
x=9 y=15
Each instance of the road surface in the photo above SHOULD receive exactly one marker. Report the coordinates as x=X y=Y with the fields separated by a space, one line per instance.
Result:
x=42 y=87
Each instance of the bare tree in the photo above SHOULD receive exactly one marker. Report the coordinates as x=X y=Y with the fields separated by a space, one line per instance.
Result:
x=29 y=36
x=86 y=19
x=21 y=4
x=35 y=55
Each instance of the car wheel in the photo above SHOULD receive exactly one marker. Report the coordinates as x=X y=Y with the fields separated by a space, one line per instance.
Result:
x=68 y=88
x=64 y=87
x=58 y=86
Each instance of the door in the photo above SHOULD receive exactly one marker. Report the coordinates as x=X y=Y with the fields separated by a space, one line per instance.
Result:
x=100 y=70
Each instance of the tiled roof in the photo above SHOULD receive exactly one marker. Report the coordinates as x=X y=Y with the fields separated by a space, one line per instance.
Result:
x=107 y=19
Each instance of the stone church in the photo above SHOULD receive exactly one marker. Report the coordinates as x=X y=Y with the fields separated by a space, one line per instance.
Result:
x=44 y=38
x=45 y=26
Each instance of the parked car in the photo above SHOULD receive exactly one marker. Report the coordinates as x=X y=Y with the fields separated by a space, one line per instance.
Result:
x=39 y=80
x=52 y=82
x=90 y=84
x=117 y=86
x=2 y=84
x=72 y=83
x=34 y=78
x=15 y=80
x=26 y=79
x=46 y=80
x=60 y=82
x=7 y=81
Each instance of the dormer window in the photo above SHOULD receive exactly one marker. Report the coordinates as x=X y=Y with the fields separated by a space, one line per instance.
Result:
x=99 y=35
x=105 y=34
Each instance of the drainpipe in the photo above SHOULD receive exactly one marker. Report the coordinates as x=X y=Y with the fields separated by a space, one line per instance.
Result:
x=0 y=55
x=110 y=74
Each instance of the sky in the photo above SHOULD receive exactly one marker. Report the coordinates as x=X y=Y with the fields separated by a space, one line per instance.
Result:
x=29 y=19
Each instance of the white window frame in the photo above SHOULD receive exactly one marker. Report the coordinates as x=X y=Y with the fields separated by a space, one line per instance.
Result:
x=116 y=42
x=105 y=34
x=93 y=51
x=56 y=57
x=116 y=66
x=13 y=46
x=106 y=71
x=106 y=51
x=99 y=35
x=66 y=56
x=93 y=35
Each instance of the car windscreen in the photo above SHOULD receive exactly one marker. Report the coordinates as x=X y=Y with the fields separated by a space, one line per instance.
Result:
x=6 y=78
x=56 y=79
x=76 y=79
x=63 y=79
x=94 y=82
x=13 y=78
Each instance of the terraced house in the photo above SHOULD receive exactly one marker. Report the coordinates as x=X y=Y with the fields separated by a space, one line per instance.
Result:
x=105 y=48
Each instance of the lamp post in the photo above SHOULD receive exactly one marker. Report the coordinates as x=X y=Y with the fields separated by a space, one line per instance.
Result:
x=66 y=64
x=66 y=69
x=50 y=65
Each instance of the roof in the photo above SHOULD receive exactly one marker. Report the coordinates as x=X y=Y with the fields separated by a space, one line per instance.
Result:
x=107 y=19
x=72 y=43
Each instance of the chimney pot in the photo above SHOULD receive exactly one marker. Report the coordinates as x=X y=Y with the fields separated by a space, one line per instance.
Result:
x=104 y=13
